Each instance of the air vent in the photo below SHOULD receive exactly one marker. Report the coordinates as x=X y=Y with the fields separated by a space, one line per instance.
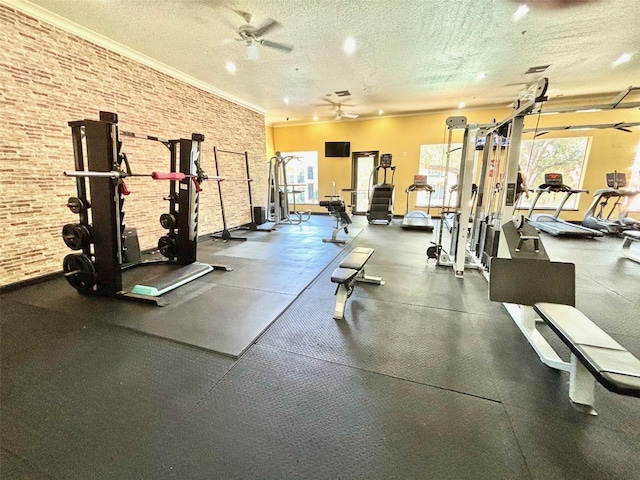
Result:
x=343 y=93
x=538 y=69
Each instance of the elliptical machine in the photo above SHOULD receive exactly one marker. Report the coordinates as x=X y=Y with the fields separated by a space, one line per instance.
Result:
x=382 y=194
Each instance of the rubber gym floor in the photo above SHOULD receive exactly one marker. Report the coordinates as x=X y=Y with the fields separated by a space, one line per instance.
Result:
x=425 y=378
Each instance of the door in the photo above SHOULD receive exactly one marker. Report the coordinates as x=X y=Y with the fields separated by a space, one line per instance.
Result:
x=364 y=164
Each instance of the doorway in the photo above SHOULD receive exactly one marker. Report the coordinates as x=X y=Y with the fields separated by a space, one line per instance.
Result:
x=363 y=166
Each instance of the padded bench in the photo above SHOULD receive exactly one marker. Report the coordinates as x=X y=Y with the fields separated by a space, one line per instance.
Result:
x=630 y=236
x=594 y=356
x=337 y=209
x=350 y=271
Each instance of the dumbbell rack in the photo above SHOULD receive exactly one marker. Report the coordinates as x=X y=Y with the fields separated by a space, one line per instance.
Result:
x=100 y=233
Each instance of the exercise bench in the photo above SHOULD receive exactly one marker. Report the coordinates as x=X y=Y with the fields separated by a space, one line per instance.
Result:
x=594 y=356
x=350 y=271
x=630 y=236
x=337 y=209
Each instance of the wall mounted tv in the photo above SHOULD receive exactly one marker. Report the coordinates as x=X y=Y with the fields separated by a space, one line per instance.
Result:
x=337 y=149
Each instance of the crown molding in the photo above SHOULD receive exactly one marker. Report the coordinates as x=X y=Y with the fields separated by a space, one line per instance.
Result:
x=56 y=20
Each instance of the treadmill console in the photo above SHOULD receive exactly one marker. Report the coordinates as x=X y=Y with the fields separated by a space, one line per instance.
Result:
x=385 y=160
x=616 y=180
x=420 y=180
x=553 y=179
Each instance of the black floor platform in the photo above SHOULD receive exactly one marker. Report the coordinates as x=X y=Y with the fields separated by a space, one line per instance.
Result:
x=425 y=378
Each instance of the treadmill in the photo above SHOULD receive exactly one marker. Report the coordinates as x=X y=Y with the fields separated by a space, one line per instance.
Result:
x=596 y=218
x=552 y=224
x=417 y=219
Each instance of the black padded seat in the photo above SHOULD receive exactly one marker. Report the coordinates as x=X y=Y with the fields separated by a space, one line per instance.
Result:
x=331 y=203
x=343 y=275
x=357 y=258
x=608 y=361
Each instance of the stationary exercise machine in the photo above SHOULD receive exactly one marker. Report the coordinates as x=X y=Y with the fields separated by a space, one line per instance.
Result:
x=418 y=219
x=597 y=219
x=279 y=190
x=382 y=194
x=101 y=233
x=553 y=224
x=458 y=257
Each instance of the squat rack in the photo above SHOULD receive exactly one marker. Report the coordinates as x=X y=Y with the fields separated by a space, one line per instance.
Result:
x=101 y=231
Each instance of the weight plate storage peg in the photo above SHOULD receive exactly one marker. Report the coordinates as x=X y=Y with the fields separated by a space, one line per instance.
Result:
x=79 y=271
x=167 y=247
x=76 y=235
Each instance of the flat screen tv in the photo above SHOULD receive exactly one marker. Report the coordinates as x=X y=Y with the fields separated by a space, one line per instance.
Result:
x=337 y=149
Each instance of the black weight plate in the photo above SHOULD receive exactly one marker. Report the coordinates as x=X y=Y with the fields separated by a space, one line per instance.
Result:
x=75 y=204
x=79 y=271
x=167 y=221
x=75 y=235
x=167 y=247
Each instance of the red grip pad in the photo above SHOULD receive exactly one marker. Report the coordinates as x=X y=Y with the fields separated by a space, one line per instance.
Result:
x=168 y=176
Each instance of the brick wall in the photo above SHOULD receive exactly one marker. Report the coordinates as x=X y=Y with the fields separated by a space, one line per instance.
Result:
x=49 y=77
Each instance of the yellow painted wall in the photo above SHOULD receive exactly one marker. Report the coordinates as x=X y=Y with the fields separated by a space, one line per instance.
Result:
x=402 y=136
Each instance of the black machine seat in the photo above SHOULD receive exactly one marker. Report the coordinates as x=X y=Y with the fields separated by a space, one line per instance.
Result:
x=609 y=362
x=350 y=271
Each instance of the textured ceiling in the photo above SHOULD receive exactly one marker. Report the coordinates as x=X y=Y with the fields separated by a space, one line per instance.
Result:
x=412 y=56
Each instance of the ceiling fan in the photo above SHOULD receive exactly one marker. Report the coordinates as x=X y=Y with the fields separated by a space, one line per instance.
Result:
x=252 y=36
x=338 y=106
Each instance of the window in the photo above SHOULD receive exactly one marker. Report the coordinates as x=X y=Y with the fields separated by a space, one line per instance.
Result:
x=567 y=156
x=537 y=157
x=301 y=172
x=634 y=181
x=433 y=160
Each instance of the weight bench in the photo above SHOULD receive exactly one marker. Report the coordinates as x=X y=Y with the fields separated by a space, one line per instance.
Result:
x=594 y=356
x=629 y=238
x=350 y=271
x=337 y=209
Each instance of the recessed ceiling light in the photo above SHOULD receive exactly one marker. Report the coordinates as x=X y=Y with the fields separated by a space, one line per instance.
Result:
x=625 y=57
x=380 y=112
x=480 y=76
x=349 y=45
x=520 y=12
x=286 y=100
x=315 y=118
x=231 y=67
x=462 y=105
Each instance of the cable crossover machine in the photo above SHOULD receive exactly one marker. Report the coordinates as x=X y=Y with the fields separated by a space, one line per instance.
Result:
x=100 y=233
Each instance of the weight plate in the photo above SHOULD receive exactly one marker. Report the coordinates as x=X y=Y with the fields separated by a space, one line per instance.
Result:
x=167 y=221
x=167 y=247
x=79 y=271
x=76 y=235
x=75 y=204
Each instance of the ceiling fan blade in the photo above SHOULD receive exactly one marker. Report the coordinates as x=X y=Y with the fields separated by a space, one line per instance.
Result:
x=270 y=25
x=277 y=46
x=350 y=115
x=623 y=129
x=245 y=15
